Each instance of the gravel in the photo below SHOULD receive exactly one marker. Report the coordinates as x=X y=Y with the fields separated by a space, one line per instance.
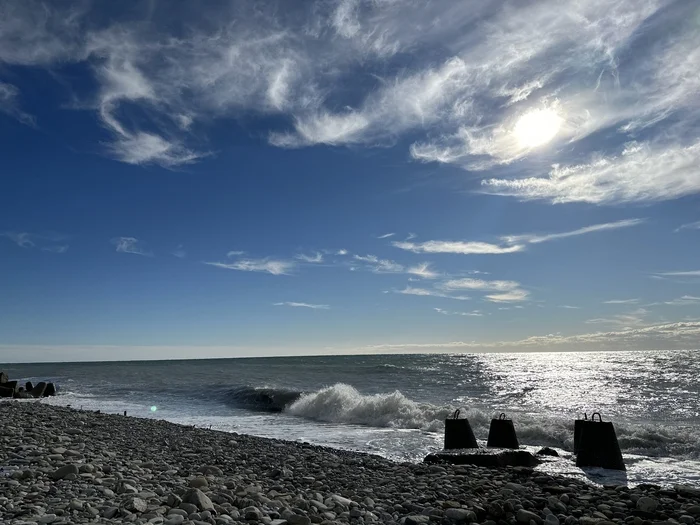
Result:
x=65 y=466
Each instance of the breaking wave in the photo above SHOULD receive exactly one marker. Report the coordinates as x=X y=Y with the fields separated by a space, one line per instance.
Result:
x=343 y=404
x=260 y=398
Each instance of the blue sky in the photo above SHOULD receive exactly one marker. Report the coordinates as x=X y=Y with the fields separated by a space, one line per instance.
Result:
x=349 y=176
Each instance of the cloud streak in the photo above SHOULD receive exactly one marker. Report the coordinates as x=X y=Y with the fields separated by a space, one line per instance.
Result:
x=271 y=266
x=457 y=247
x=304 y=305
x=130 y=245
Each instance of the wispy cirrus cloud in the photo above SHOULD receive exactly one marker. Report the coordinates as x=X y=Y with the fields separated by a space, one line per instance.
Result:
x=622 y=301
x=377 y=265
x=476 y=73
x=685 y=300
x=425 y=292
x=304 y=305
x=44 y=242
x=130 y=245
x=458 y=247
x=315 y=258
x=180 y=252
x=688 y=226
x=538 y=238
x=630 y=319
x=385 y=236
x=509 y=243
x=473 y=313
x=271 y=266
x=9 y=104
x=640 y=173
x=500 y=291
x=687 y=273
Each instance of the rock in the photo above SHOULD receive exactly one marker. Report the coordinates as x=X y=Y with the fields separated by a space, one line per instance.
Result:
x=3 y=378
x=341 y=500
x=525 y=516
x=551 y=519
x=174 y=519
x=417 y=520
x=65 y=471
x=298 y=519
x=199 y=482
x=494 y=458
x=173 y=500
x=210 y=470
x=136 y=505
x=189 y=508
x=646 y=504
x=47 y=518
x=547 y=451
x=460 y=515
x=197 y=497
x=693 y=510
x=109 y=512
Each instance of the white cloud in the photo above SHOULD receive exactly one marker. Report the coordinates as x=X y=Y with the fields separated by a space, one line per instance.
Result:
x=535 y=239
x=660 y=336
x=569 y=307
x=640 y=173
x=130 y=245
x=304 y=305
x=686 y=300
x=622 y=301
x=9 y=104
x=630 y=319
x=341 y=252
x=272 y=266
x=21 y=239
x=506 y=291
x=316 y=258
x=460 y=247
x=235 y=253
x=180 y=252
x=59 y=248
x=422 y=270
x=386 y=236
x=424 y=292
x=473 y=313
x=45 y=242
x=689 y=226
x=462 y=94
x=690 y=273
x=377 y=265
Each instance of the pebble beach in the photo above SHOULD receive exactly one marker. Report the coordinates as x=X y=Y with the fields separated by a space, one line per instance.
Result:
x=64 y=466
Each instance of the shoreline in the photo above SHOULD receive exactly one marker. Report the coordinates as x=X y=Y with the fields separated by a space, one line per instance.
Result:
x=72 y=466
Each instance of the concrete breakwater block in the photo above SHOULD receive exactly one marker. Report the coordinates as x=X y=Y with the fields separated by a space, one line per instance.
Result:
x=491 y=457
x=598 y=445
x=502 y=433
x=459 y=433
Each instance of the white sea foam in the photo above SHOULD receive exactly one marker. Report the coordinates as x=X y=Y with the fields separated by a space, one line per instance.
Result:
x=342 y=403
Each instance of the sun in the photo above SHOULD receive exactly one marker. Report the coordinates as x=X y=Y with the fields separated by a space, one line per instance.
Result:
x=537 y=127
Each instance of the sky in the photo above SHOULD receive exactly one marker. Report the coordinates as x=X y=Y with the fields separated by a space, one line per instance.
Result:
x=184 y=179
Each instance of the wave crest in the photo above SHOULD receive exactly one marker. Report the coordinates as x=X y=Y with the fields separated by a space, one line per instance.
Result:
x=342 y=403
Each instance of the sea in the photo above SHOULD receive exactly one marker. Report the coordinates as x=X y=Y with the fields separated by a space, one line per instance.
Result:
x=395 y=405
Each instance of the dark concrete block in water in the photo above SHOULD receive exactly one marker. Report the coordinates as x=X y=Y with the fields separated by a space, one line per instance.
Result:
x=598 y=446
x=6 y=392
x=579 y=424
x=502 y=433
x=38 y=390
x=29 y=386
x=12 y=385
x=3 y=377
x=481 y=457
x=50 y=390
x=459 y=433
